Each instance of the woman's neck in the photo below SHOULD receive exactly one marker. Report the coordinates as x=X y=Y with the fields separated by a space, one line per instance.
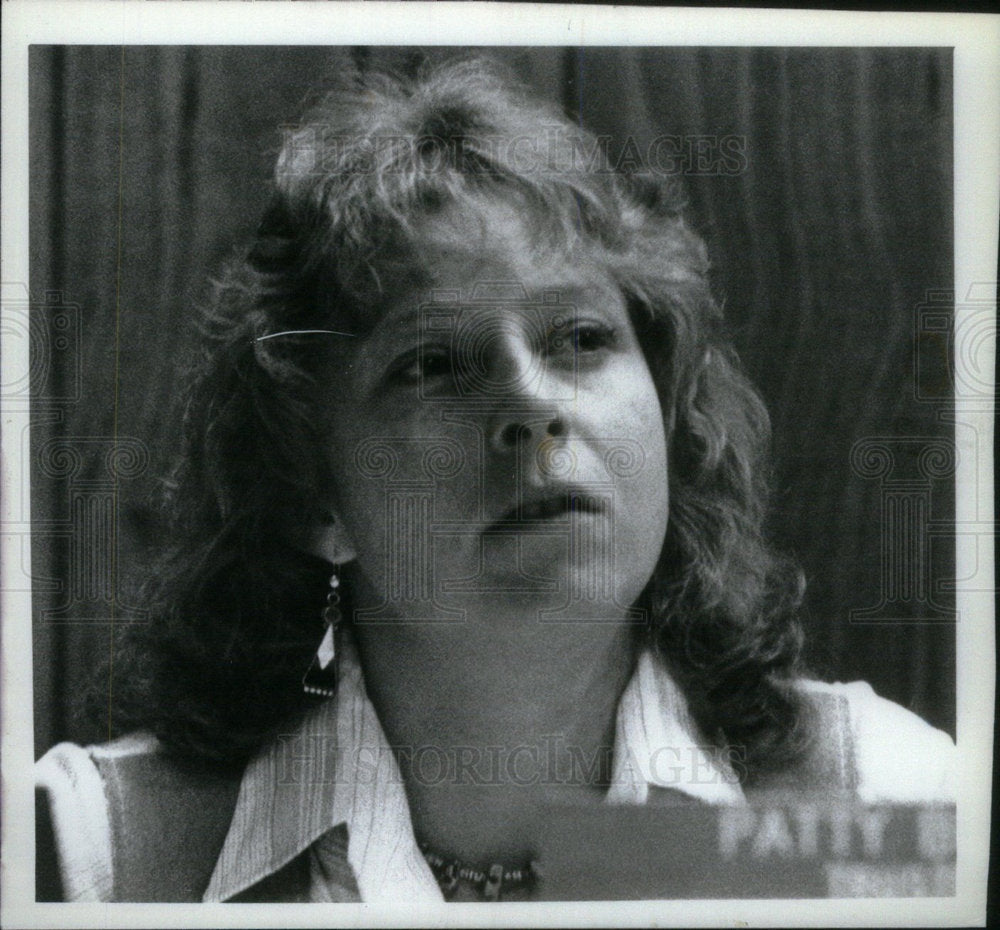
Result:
x=489 y=719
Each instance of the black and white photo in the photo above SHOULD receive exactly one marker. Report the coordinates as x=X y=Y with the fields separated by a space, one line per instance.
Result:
x=498 y=475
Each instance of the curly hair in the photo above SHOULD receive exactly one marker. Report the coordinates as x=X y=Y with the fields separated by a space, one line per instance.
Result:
x=233 y=600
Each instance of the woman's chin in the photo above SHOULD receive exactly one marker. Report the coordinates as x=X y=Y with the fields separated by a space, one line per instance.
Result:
x=539 y=579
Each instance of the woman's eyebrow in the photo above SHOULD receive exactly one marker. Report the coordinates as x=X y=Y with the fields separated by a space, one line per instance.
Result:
x=394 y=320
x=400 y=325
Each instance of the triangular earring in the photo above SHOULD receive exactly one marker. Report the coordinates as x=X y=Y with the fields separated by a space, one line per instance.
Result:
x=321 y=676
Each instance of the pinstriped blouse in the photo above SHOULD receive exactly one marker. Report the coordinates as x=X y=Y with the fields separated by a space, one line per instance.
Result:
x=335 y=783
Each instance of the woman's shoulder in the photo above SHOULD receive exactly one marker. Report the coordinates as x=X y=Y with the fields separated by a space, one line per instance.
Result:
x=73 y=828
x=897 y=756
x=129 y=822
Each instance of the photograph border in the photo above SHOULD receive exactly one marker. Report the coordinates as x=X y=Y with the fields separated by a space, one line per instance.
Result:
x=976 y=42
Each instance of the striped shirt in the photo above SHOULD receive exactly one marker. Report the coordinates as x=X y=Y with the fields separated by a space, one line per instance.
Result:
x=332 y=789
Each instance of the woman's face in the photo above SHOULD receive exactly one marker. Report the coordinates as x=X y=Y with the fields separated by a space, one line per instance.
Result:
x=498 y=444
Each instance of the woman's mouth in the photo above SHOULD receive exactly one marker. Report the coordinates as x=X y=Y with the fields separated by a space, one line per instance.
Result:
x=554 y=507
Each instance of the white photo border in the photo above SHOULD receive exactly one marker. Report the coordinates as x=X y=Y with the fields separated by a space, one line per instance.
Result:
x=975 y=39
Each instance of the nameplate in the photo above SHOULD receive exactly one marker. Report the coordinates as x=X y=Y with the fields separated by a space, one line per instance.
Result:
x=787 y=848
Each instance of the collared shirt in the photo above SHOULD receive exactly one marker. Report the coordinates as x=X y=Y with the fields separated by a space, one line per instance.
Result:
x=338 y=768
x=336 y=780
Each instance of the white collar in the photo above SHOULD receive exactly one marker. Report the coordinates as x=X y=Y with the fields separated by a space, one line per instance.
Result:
x=337 y=768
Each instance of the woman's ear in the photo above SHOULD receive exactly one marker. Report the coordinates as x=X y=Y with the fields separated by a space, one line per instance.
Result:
x=331 y=541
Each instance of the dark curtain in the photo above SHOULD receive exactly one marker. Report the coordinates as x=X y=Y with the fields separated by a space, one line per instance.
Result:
x=821 y=180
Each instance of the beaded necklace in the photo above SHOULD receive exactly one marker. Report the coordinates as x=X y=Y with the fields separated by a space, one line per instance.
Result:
x=488 y=883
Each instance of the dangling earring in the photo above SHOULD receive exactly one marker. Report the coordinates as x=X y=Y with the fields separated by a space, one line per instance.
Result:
x=321 y=677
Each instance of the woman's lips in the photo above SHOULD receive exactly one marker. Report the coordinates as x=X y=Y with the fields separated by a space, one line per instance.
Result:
x=553 y=507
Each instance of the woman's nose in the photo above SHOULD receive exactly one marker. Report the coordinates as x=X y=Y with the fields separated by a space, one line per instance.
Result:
x=524 y=428
x=524 y=413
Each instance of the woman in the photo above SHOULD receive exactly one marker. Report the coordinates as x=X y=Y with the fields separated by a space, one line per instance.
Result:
x=470 y=386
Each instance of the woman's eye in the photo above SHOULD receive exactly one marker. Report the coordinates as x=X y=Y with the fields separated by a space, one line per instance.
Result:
x=422 y=365
x=591 y=337
x=581 y=338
